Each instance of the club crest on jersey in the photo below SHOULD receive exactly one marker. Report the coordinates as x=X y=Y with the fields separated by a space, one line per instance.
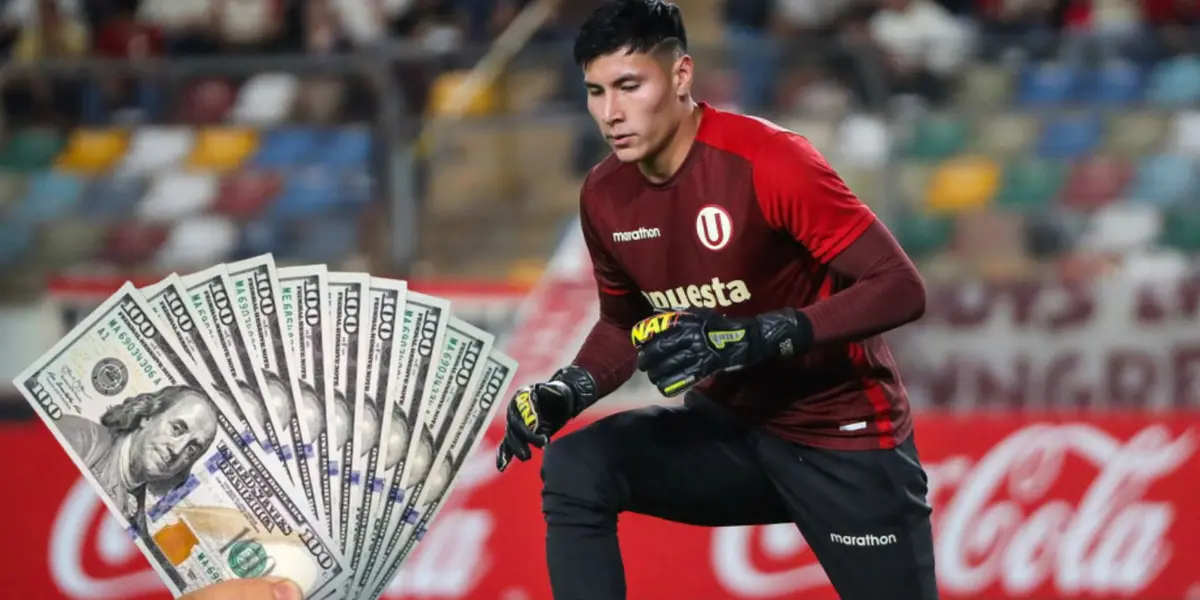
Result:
x=714 y=227
x=651 y=326
x=714 y=294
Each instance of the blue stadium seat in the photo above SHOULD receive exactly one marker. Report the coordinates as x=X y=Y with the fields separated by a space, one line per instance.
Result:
x=346 y=147
x=50 y=195
x=1175 y=82
x=328 y=239
x=1071 y=135
x=1046 y=84
x=286 y=147
x=112 y=198
x=308 y=191
x=1164 y=179
x=260 y=236
x=16 y=241
x=358 y=188
x=1115 y=83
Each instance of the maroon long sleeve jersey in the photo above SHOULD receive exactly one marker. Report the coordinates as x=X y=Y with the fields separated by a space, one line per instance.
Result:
x=755 y=220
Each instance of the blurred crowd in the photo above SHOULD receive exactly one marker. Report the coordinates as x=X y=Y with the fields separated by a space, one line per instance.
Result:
x=1020 y=135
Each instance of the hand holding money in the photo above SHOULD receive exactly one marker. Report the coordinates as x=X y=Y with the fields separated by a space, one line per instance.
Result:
x=265 y=588
x=250 y=422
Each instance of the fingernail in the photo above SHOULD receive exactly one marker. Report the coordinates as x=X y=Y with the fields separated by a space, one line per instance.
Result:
x=286 y=590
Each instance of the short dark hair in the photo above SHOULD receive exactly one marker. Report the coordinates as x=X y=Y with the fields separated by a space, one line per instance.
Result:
x=636 y=25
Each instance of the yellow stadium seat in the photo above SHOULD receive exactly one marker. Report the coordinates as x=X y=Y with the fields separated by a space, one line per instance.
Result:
x=223 y=148
x=482 y=102
x=962 y=183
x=91 y=151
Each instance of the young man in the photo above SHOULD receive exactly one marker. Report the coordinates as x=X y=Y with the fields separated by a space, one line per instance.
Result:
x=783 y=282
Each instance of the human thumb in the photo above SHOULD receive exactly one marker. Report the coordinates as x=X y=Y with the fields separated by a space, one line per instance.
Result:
x=263 y=588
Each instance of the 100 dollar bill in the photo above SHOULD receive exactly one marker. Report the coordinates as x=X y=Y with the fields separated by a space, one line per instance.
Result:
x=422 y=334
x=256 y=296
x=154 y=440
x=473 y=419
x=456 y=376
x=347 y=292
x=304 y=291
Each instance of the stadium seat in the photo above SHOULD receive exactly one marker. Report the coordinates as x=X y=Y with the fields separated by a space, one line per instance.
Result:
x=177 y=194
x=985 y=87
x=1096 y=181
x=324 y=240
x=912 y=181
x=12 y=189
x=1175 y=82
x=223 y=148
x=1164 y=179
x=935 y=137
x=246 y=194
x=266 y=99
x=1049 y=84
x=50 y=195
x=91 y=151
x=130 y=243
x=962 y=183
x=991 y=242
x=109 y=199
x=1134 y=133
x=208 y=101
x=197 y=242
x=31 y=149
x=1181 y=228
x=863 y=141
x=1114 y=83
x=308 y=191
x=1006 y=135
x=1184 y=136
x=287 y=147
x=1030 y=184
x=345 y=147
x=16 y=241
x=482 y=102
x=1121 y=228
x=1070 y=135
x=923 y=235
x=64 y=243
x=153 y=149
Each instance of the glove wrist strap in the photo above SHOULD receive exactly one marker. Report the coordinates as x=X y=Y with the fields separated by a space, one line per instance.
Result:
x=582 y=386
x=784 y=333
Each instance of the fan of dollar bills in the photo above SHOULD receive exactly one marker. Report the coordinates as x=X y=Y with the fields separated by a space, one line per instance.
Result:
x=249 y=420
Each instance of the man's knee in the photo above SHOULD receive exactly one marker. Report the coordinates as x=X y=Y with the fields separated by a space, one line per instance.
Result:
x=576 y=473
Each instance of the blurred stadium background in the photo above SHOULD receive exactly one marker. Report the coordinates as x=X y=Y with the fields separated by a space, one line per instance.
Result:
x=1039 y=158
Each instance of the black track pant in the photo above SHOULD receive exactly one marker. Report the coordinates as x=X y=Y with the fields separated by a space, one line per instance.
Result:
x=863 y=513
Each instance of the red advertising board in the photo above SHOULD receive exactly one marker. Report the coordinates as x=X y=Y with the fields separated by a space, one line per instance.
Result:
x=1025 y=507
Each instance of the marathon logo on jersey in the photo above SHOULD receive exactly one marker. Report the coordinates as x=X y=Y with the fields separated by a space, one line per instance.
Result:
x=714 y=294
x=641 y=233
x=863 y=540
x=651 y=326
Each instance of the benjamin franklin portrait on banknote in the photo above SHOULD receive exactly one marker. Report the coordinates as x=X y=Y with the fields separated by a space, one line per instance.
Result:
x=278 y=400
x=150 y=440
x=312 y=414
x=369 y=424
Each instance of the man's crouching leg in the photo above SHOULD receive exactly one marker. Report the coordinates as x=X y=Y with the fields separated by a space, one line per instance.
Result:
x=580 y=501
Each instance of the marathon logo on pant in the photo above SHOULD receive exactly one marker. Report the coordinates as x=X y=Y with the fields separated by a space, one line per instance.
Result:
x=863 y=540
x=651 y=326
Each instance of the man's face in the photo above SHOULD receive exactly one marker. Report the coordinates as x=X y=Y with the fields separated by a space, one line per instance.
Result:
x=633 y=98
x=168 y=443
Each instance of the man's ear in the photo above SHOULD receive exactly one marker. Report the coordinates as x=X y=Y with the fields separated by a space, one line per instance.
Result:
x=683 y=70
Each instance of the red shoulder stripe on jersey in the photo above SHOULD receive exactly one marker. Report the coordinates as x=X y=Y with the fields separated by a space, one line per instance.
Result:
x=613 y=291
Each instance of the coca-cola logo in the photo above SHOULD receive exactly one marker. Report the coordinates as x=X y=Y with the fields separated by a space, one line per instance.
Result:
x=1012 y=521
x=91 y=555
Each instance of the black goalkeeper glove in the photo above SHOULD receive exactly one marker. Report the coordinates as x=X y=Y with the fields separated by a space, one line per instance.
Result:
x=538 y=411
x=679 y=349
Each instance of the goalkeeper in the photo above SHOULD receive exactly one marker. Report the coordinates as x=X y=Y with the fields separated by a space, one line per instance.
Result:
x=755 y=283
